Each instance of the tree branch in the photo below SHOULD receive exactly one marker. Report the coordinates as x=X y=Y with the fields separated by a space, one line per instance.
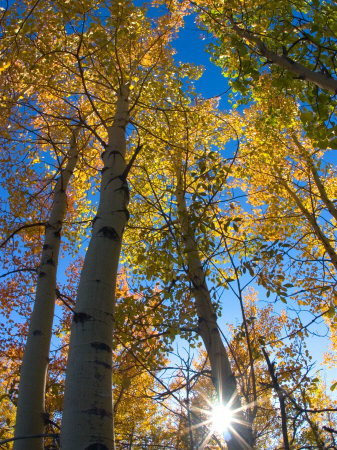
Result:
x=31 y=225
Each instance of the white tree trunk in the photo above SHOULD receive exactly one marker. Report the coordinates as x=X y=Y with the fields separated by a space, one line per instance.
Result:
x=88 y=413
x=284 y=62
x=30 y=417
x=222 y=375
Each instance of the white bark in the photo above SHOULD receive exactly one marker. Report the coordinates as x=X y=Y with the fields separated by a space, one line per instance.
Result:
x=283 y=61
x=222 y=375
x=30 y=417
x=88 y=413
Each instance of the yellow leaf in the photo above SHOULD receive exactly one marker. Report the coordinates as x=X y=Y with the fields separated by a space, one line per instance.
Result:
x=4 y=67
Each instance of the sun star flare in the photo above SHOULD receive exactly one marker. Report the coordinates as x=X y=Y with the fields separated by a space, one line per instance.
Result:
x=221 y=417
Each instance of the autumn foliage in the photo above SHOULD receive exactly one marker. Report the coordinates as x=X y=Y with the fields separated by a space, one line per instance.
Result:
x=159 y=254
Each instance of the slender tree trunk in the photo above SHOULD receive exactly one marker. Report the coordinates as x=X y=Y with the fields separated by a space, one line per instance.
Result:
x=30 y=416
x=222 y=376
x=281 y=398
x=311 y=218
x=284 y=62
x=88 y=412
x=313 y=169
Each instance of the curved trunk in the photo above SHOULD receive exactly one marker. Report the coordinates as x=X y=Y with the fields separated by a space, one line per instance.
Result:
x=30 y=416
x=88 y=414
x=319 y=184
x=325 y=241
x=241 y=436
x=284 y=62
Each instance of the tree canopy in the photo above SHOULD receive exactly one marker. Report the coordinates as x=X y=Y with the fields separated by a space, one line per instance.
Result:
x=165 y=262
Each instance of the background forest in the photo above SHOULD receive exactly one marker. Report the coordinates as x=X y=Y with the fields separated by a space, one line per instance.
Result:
x=166 y=260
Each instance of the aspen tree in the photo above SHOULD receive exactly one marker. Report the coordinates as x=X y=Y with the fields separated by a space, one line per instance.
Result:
x=291 y=188
x=182 y=139
x=141 y=65
x=31 y=418
x=88 y=415
x=222 y=375
x=138 y=49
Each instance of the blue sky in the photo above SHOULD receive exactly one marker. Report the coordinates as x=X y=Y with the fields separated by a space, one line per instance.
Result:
x=190 y=47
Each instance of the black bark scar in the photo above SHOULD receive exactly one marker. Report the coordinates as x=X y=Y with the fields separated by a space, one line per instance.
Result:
x=96 y=447
x=101 y=346
x=109 y=233
x=81 y=317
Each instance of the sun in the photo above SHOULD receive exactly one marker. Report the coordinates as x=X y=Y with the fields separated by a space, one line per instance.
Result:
x=221 y=417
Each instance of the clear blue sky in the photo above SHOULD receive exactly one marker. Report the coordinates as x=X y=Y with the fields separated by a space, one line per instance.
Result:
x=190 y=47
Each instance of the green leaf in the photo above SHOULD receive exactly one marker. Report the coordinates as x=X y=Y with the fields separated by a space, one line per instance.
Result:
x=333 y=386
x=333 y=144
